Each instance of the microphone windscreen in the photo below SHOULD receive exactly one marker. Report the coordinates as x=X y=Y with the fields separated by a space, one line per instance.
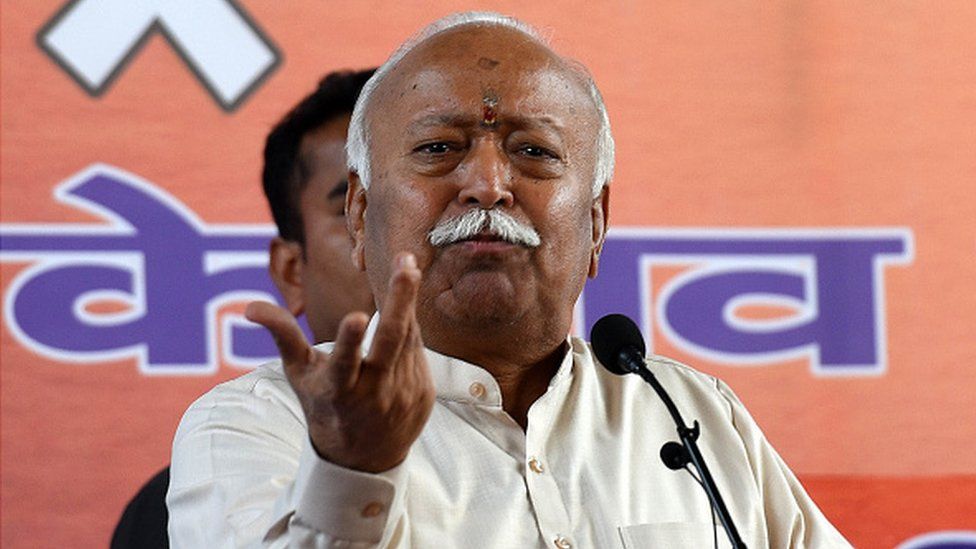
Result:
x=612 y=334
x=674 y=456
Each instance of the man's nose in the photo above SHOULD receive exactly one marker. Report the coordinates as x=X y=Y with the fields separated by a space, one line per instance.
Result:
x=487 y=180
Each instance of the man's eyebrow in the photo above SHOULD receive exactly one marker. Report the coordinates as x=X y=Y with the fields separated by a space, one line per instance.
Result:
x=459 y=120
x=339 y=189
x=544 y=122
x=437 y=120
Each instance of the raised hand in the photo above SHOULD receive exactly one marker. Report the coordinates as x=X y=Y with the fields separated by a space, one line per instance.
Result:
x=362 y=413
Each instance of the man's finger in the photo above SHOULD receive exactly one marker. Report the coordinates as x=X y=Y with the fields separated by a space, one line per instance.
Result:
x=412 y=368
x=397 y=314
x=346 y=357
x=292 y=346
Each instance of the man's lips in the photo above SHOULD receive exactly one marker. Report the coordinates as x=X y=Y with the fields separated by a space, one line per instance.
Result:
x=484 y=237
x=484 y=242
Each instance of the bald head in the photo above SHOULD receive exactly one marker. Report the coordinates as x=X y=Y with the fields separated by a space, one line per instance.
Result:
x=478 y=46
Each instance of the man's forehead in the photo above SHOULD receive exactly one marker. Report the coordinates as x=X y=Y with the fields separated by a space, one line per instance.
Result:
x=484 y=45
x=495 y=58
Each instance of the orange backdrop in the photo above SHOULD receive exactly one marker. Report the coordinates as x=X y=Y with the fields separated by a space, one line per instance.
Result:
x=777 y=117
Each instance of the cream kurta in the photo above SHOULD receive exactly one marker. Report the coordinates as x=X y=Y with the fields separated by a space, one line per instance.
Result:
x=586 y=472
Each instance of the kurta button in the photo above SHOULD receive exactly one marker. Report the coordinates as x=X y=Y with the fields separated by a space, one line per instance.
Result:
x=477 y=390
x=562 y=543
x=536 y=466
x=372 y=509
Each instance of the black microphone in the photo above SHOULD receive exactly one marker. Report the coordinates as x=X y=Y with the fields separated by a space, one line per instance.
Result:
x=619 y=346
x=674 y=456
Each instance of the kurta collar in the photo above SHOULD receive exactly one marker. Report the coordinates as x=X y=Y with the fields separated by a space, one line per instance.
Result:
x=457 y=380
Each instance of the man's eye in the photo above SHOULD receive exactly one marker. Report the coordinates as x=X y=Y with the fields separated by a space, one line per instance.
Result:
x=434 y=148
x=534 y=151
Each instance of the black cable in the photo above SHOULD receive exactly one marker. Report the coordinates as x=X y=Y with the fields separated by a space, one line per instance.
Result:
x=710 y=506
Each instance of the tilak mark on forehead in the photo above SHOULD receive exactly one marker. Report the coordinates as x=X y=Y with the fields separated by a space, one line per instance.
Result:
x=487 y=63
x=489 y=116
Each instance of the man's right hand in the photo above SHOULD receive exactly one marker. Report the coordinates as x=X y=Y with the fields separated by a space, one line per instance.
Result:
x=362 y=413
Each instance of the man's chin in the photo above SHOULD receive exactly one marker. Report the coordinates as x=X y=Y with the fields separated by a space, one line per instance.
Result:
x=482 y=297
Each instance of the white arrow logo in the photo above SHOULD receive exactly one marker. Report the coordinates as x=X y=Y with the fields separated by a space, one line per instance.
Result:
x=94 y=40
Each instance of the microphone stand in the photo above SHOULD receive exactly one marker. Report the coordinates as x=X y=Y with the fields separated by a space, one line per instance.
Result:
x=688 y=437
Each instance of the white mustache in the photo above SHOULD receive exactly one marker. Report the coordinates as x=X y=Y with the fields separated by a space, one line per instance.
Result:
x=480 y=221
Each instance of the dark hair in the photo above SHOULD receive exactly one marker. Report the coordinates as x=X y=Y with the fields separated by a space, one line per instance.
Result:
x=285 y=173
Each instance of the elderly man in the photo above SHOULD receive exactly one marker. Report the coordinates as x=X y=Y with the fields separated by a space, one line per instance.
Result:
x=461 y=415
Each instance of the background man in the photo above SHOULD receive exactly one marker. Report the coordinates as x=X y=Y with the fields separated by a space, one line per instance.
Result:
x=462 y=415
x=304 y=179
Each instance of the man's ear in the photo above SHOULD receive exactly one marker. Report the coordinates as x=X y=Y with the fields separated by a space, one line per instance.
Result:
x=286 y=268
x=356 y=219
x=600 y=218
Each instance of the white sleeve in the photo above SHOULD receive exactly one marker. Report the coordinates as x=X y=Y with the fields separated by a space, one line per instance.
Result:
x=793 y=520
x=244 y=474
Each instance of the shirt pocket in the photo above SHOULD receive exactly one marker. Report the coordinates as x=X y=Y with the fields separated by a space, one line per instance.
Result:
x=672 y=535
